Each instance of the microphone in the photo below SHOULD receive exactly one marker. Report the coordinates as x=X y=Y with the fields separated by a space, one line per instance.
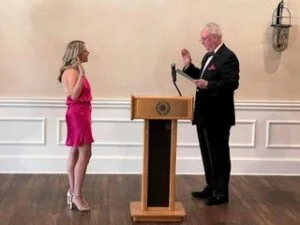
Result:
x=173 y=72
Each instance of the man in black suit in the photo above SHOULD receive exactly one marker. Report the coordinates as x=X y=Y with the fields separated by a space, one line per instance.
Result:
x=214 y=114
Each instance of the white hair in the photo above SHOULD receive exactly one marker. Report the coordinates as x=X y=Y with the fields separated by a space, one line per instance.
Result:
x=214 y=29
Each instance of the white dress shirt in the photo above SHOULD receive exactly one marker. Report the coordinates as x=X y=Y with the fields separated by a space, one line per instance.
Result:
x=209 y=59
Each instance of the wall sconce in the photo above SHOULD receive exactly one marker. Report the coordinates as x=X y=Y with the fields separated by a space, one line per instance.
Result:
x=281 y=22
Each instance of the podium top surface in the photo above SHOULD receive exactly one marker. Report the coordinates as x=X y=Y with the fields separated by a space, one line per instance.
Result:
x=162 y=107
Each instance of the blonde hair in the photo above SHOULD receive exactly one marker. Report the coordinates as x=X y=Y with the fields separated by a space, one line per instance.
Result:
x=73 y=50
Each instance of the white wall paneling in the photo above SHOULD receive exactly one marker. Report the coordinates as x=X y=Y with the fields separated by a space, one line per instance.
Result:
x=265 y=139
x=283 y=134
x=22 y=130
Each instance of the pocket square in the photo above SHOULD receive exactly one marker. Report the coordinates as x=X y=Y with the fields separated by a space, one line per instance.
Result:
x=212 y=67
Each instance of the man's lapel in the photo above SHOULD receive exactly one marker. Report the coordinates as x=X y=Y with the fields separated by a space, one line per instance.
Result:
x=212 y=64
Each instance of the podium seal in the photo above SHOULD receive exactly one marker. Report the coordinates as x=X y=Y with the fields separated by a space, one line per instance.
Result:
x=162 y=108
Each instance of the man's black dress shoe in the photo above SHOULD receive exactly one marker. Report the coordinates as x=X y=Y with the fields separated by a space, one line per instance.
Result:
x=206 y=193
x=217 y=200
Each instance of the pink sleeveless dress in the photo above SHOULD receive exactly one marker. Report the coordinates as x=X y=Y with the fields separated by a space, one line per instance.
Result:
x=78 y=118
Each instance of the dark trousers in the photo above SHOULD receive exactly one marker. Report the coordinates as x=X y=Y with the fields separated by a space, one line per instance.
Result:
x=214 y=145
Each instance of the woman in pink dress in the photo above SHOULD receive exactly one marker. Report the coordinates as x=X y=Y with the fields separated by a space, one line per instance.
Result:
x=78 y=120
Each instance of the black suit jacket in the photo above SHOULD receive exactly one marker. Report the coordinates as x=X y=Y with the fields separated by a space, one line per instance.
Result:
x=214 y=106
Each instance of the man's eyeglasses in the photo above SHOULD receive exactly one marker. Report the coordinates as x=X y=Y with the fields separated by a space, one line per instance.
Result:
x=204 y=39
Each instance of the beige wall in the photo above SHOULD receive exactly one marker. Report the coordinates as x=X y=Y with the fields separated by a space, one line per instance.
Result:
x=133 y=42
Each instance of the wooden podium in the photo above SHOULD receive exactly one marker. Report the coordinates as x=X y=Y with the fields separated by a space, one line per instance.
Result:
x=160 y=116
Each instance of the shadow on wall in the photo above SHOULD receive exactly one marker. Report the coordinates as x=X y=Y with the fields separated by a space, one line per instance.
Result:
x=271 y=57
x=287 y=58
x=292 y=62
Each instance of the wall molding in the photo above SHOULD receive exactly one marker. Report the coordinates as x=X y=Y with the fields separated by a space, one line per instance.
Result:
x=283 y=122
x=253 y=134
x=26 y=119
x=140 y=144
x=125 y=103
x=133 y=165
x=60 y=103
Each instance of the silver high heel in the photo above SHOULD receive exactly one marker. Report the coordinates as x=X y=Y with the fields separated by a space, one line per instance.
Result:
x=83 y=208
x=69 y=197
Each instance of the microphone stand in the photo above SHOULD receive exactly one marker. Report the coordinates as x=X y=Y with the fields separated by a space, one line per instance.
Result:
x=173 y=73
x=174 y=82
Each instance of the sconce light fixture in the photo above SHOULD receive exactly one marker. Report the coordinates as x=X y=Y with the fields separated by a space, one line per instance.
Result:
x=281 y=22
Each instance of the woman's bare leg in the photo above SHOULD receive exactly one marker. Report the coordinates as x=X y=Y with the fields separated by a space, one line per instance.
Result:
x=72 y=160
x=80 y=172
